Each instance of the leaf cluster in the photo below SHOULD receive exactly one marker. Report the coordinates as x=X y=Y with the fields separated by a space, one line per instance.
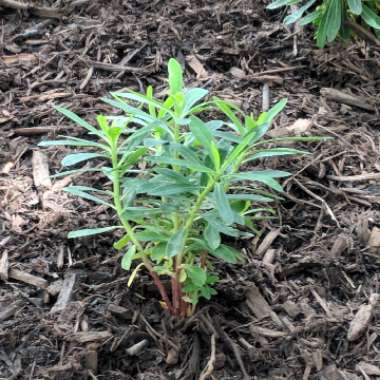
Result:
x=178 y=188
x=330 y=16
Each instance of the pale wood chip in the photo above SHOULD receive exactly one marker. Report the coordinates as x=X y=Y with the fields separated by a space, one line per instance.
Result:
x=28 y=278
x=269 y=333
x=267 y=242
x=90 y=336
x=41 y=175
x=361 y=320
x=197 y=66
x=65 y=293
x=4 y=266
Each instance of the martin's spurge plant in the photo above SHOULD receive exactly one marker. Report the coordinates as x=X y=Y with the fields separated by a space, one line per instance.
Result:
x=330 y=16
x=178 y=187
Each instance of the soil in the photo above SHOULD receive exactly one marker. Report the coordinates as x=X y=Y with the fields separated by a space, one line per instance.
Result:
x=303 y=306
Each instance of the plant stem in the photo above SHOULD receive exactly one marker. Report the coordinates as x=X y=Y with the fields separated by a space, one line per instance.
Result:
x=128 y=228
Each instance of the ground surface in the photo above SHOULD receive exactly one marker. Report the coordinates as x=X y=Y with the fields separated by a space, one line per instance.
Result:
x=289 y=312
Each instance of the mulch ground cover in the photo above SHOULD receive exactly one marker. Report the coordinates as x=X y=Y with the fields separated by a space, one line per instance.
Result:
x=305 y=303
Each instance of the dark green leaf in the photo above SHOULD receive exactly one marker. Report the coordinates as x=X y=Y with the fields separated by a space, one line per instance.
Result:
x=197 y=275
x=263 y=176
x=212 y=237
x=176 y=243
x=222 y=205
x=227 y=254
x=370 y=17
x=82 y=191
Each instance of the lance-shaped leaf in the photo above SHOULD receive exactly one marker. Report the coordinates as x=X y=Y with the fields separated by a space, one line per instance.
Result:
x=175 y=76
x=176 y=243
x=264 y=176
x=76 y=158
x=204 y=136
x=223 y=205
x=91 y=231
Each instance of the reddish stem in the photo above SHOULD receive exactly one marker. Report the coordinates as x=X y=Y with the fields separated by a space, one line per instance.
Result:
x=162 y=291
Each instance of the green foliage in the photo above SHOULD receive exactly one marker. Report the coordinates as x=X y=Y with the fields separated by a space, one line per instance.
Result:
x=329 y=16
x=191 y=193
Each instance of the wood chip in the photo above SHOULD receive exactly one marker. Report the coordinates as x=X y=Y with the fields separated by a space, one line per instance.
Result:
x=137 y=348
x=374 y=239
x=90 y=336
x=368 y=368
x=8 y=311
x=259 y=306
x=267 y=242
x=4 y=266
x=362 y=319
x=340 y=245
x=197 y=66
x=19 y=59
x=119 y=310
x=349 y=99
x=28 y=278
x=66 y=293
x=41 y=175
x=258 y=330
x=331 y=373
x=45 y=97
x=299 y=127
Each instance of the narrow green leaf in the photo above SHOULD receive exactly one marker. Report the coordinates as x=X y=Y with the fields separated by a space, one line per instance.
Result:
x=295 y=16
x=263 y=176
x=204 y=136
x=222 y=204
x=175 y=76
x=91 y=231
x=78 y=120
x=274 y=153
x=280 y=3
x=250 y=197
x=227 y=108
x=72 y=141
x=370 y=17
x=176 y=243
x=275 y=110
x=79 y=192
x=76 y=158
x=126 y=261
